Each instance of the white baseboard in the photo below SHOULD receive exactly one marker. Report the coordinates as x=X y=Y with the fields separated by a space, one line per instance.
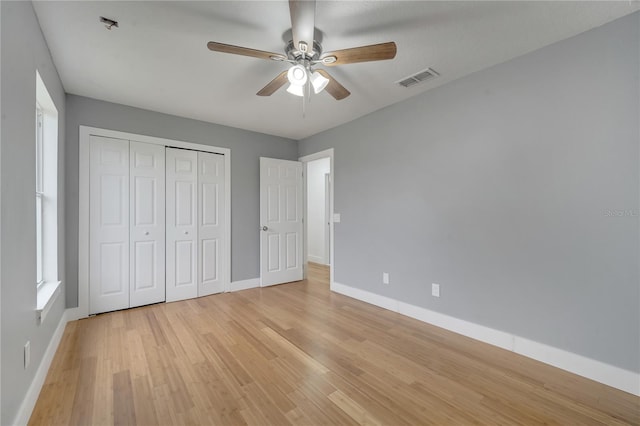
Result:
x=599 y=371
x=316 y=259
x=244 y=284
x=365 y=296
x=607 y=374
x=75 y=314
x=466 y=328
x=30 y=399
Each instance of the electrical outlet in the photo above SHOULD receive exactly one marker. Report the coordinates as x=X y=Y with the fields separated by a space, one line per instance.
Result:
x=27 y=354
x=435 y=290
x=385 y=278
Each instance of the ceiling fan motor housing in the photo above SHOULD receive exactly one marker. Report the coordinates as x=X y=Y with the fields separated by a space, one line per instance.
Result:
x=295 y=54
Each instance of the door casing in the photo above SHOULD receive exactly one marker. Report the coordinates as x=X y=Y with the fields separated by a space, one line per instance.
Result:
x=306 y=159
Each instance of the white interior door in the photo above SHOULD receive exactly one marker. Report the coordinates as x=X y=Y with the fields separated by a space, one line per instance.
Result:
x=280 y=221
x=211 y=223
x=109 y=224
x=147 y=228
x=181 y=228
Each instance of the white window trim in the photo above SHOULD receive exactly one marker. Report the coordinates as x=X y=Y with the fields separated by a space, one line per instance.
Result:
x=48 y=292
x=48 y=288
x=39 y=240
x=39 y=196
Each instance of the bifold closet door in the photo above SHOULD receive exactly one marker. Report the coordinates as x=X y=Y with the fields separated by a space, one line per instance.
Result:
x=195 y=223
x=108 y=224
x=211 y=222
x=147 y=227
x=182 y=224
x=156 y=224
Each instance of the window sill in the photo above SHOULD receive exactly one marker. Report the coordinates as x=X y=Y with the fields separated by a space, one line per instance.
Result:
x=47 y=294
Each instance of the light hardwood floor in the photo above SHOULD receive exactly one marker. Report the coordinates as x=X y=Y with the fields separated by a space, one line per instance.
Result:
x=299 y=354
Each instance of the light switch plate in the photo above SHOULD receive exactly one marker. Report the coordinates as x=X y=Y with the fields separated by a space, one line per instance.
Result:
x=336 y=218
x=385 y=278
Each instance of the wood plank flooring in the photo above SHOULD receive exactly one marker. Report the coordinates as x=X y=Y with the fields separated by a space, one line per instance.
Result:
x=299 y=354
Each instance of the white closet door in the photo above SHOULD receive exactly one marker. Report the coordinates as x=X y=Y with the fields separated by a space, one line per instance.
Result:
x=109 y=225
x=147 y=170
x=182 y=229
x=211 y=222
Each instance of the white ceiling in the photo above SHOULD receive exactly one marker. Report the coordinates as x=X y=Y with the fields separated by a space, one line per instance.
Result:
x=158 y=60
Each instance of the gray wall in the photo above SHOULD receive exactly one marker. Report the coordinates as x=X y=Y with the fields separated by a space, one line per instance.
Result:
x=246 y=149
x=500 y=187
x=23 y=51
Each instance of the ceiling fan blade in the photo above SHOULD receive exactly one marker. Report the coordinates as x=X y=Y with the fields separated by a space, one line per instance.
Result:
x=274 y=84
x=303 y=16
x=334 y=88
x=245 y=51
x=373 y=52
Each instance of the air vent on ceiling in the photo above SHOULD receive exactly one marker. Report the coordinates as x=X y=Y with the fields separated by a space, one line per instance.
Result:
x=419 y=77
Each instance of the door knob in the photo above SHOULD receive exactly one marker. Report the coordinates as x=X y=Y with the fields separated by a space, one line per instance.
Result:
x=264 y=228
x=186 y=232
x=146 y=233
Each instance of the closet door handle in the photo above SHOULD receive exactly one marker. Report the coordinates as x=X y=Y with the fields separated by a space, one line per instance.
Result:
x=265 y=228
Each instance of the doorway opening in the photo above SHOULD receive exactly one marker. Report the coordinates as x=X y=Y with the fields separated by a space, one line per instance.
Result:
x=318 y=206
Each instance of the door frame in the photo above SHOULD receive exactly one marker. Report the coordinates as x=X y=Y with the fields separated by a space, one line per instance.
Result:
x=327 y=218
x=82 y=311
x=327 y=153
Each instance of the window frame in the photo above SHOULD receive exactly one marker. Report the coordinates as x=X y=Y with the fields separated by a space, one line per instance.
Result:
x=40 y=196
x=46 y=203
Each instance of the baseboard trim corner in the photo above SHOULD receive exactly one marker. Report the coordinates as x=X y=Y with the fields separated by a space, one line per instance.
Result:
x=244 y=284
x=598 y=371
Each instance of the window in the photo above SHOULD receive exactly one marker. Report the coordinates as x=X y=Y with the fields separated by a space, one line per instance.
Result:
x=46 y=202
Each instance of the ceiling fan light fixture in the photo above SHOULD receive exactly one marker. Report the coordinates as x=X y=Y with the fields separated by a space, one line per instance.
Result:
x=297 y=75
x=295 y=90
x=319 y=82
x=303 y=53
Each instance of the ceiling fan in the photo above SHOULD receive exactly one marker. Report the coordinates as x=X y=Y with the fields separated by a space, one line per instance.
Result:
x=304 y=54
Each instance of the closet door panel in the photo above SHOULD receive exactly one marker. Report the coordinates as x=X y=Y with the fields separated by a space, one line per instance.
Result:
x=147 y=235
x=182 y=224
x=211 y=222
x=108 y=224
